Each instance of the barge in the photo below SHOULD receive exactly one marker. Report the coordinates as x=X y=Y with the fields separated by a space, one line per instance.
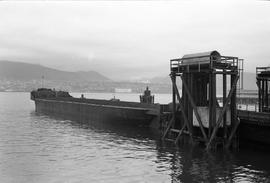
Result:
x=114 y=111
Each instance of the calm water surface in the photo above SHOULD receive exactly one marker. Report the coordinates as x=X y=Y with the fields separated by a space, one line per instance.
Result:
x=39 y=148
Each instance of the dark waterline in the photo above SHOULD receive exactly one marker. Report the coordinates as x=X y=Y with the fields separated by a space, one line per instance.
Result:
x=40 y=148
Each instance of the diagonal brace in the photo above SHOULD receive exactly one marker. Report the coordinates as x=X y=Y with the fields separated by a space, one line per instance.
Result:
x=179 y=134
x=220 y=117
x=182 y=109
x=168 y=128
x=233 y=133
x=194 y=108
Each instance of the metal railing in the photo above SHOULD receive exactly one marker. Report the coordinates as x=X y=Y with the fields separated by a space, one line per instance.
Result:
x=179 y=62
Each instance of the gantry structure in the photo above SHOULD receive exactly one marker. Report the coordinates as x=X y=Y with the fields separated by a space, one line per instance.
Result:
x=196 y=111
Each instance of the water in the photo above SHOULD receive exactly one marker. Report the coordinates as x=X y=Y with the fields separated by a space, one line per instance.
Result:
x=39 y=148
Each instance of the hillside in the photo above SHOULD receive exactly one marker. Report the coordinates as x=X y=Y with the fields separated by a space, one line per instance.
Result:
x=25 y=71
x=249 y=81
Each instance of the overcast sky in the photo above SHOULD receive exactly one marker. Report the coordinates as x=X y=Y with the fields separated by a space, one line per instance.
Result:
x=129 y=40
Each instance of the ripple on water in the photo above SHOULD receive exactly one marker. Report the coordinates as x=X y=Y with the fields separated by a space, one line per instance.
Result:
x=39 y=148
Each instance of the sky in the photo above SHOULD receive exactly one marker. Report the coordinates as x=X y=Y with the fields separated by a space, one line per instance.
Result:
x=129 y=40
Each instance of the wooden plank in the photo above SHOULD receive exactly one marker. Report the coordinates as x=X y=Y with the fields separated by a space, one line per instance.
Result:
x=224 y=72
x=174 y=130
x=194 y=108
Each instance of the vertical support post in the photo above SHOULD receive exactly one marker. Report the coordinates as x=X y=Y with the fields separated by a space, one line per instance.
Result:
x=173 y=77
x=224 y=98
x=183 y=93
x=190 y=108
x=263 y=94
x=242 y=73
x=260 y=94
x=210 y=104
x=214 y=102
x=266 y=94
x=184 y=78
x=233 y=100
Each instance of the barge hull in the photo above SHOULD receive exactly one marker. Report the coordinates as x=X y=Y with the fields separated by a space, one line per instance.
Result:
x=115 y=113
x=254 y=127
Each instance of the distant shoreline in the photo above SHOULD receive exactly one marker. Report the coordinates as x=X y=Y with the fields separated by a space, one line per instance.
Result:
x=84 y=92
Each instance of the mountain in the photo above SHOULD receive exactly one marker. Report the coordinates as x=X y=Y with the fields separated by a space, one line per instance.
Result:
x=25 y=71
x=160 y=79
x=249 y=81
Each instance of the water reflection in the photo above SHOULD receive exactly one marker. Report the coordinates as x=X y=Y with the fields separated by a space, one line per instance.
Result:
x=193 y=164
x=41 y=148
x=182 y=164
